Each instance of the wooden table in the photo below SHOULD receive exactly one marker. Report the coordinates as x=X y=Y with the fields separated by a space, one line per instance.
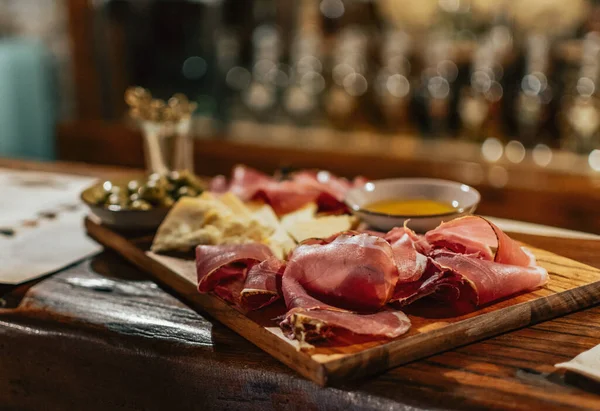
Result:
x=100 y=335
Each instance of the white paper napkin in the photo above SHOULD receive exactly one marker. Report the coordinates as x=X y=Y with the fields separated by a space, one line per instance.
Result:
x=587 y=363
x=41 y=244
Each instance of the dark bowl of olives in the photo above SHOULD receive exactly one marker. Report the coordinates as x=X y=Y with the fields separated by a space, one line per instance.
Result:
x=140 y=203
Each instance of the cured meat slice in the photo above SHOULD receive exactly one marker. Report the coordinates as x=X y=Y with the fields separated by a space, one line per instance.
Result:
x=352 y=271
x=263 y=284
x=230 y=288
x=301 y=188
x=328 y=183
x=322 y=324
x=466 y=235
x=309 y=319
x=510 y=251
x=429 y=283
x=223 y=268
x=286 y=196
x=332 y=189
x=410 y=263
x=491 y=280
x=327 y=282
x=218 y=184
x=468 y=258
x=476 y=235
x=245 y=181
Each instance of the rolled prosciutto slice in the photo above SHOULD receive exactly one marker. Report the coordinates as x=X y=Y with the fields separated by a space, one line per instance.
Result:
x=490 y=280
x=476 y=235
x=223 y=269
x=309 y=319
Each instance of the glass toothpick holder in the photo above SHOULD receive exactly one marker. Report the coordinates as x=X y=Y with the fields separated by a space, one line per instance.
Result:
x=168 y=145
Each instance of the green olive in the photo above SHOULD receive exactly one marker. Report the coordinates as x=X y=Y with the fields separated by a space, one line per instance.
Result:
x=116 y=190
x=167 y=202
x=140 y=205
x=152 y=192
x=100 y=196
x=133 y=186
x=116 y=199
x=106 y=187
x=171 y=188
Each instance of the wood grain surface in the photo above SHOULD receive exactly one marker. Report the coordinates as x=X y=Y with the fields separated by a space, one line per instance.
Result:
x=572 y=286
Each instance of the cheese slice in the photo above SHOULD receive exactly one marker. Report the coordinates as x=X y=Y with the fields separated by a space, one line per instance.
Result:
x=264 y=213
x=236 y=205
x=306 y=213
x=206 y=220
x=279 y=242
x=320 y=227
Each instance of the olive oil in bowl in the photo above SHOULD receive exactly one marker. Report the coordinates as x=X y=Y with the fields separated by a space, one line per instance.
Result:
x=422 y=203
x=416 y=207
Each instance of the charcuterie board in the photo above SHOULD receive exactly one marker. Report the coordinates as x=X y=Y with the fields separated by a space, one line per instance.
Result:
x=572 y=286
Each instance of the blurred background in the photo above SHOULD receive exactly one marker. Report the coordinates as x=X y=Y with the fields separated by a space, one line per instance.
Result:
x=500 y=94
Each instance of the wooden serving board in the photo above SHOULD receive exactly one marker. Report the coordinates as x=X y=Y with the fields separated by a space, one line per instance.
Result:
x=572 y=286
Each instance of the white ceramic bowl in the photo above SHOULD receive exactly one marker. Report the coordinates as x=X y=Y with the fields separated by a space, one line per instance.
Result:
x=463 y=197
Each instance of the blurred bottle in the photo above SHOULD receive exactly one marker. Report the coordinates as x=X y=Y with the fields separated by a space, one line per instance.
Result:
x=260 y=97
x=348 y=77
x=434 y=96
x=302 y=98
x=533 y=112
x=581 y=105
x=392 y=86
x=229 y=42
x=480 y=101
